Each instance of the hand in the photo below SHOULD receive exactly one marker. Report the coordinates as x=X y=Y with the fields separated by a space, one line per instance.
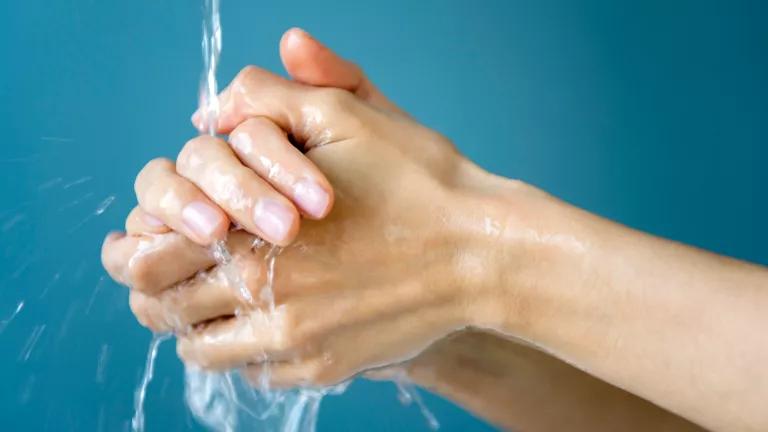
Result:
x=421 y=243
x=379 y=272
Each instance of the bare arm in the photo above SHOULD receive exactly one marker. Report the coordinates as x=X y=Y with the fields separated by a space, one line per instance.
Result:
x=520 y=388
x=681 y=327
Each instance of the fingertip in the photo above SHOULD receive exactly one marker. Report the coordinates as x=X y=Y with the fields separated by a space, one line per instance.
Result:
x=314 y=198
x=112 y=236
x=111 y=256
x=309 y=61
x=278 y=222
x=294 y=37
x=197 y=120
x=206 y=222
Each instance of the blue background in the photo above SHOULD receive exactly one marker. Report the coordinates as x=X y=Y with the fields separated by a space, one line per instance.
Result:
x=650 y=112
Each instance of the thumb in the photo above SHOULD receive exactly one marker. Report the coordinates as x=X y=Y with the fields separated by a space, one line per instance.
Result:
x=310 y=62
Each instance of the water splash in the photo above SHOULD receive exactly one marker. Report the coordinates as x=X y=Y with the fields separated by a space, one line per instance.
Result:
x=104 y=205
x=57 y=139
x=95 y=293
x=13 y=221
x=4 y=323
x=79 y=181
x=29 y=346
x=101 y=365
x=231 y=272
x=76 y=201
x=98 y=211
x=137 y=422
x=408 y=394
x=50 y=183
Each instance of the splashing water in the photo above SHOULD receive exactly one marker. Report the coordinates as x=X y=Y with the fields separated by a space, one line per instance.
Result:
x=29 y=346
x=4 y=323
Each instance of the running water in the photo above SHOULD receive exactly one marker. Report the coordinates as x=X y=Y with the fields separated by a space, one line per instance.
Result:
x=137 y=423
x=225 y=401
x=209 y=88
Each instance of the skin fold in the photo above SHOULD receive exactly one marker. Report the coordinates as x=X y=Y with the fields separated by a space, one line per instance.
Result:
x=398 y=250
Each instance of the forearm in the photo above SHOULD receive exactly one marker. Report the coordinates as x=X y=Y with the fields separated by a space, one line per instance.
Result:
x=678 y=326
x=520 y=388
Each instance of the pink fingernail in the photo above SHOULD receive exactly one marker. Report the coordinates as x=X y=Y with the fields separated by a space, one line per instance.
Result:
x=151 y=220
x=312 y=198
x=273 y=219
x=201 y=218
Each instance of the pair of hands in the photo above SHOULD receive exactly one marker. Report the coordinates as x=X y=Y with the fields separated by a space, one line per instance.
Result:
x=380 y=267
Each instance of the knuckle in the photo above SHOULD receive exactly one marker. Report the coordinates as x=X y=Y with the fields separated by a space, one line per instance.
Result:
x=153 y=167
x=140 y=309
x=247 y=74
x=335 y=99
x=192 y=354
x=111 y=259
x=197 y=152
x=289 y=337
x=140 y=271
x=190 y=154
x=323 y=375
x=158 y=164
x=106 y=257
x=257 y=126
x=147 y=175
x=133 y=219
x=183 y=349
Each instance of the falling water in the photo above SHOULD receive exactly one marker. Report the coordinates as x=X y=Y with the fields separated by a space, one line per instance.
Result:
x=225 y=401
x=137 y=423
x=408 y=394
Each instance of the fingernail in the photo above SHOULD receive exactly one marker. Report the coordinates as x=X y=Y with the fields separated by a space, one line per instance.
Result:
x=151 y=220
x=201 y=218
x=273 y=219
x=312 y=198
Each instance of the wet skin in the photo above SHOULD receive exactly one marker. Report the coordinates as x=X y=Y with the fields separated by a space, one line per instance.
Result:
x=403 y=241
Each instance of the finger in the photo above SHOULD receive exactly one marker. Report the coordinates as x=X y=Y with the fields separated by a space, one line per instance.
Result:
x=115 y=253
x=288 y=374
x=249 y=338
x=308 y=61
x=313 y=116
x=203 y=298
x=207 y=296
x=250 y=201
x=387 y=373
x=139 y=222
x=264 y=147
x=152 y=263
x=179 y=203
x=254 y=92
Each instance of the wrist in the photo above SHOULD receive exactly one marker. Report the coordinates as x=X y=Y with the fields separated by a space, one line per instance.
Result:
x=518 y=247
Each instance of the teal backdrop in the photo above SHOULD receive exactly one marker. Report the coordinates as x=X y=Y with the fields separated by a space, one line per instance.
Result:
x=650 y=112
